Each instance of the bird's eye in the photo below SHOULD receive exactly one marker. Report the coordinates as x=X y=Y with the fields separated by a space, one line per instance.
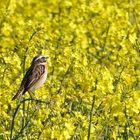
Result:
x=43 y=59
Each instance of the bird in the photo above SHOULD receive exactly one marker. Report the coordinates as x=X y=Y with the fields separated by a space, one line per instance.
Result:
x=35 y=76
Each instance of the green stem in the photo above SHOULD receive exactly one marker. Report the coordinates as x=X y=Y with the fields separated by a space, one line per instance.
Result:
x=90 y=119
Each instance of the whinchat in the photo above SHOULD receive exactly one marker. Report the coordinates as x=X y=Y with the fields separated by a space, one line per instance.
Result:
x=34 y=77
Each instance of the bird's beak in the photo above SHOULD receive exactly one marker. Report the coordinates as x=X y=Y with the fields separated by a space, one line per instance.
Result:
x=46 y=58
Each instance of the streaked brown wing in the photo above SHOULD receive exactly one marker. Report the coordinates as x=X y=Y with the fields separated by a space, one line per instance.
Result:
x=34 y=76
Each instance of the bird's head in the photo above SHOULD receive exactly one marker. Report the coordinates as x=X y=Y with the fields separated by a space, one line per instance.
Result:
x=40 y=59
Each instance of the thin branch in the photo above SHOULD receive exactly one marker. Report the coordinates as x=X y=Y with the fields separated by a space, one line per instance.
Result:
x=24 y=70
x=12 y=125
x=93 y=26
x=35 y=100
x=33 y=34
x=62 y=80
x=107 y=31
x=22 y=129
x=16 y=110
x=90 y=119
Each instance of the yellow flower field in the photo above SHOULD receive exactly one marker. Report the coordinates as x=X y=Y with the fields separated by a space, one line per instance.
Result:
x=93 y=87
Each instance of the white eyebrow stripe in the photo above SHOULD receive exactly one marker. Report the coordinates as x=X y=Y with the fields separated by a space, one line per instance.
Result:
x=39 y=57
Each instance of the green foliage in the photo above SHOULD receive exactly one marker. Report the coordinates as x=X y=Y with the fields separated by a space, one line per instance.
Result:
x=92 y=91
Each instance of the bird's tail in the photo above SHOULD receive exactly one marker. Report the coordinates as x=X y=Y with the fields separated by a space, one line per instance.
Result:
x=20 y=92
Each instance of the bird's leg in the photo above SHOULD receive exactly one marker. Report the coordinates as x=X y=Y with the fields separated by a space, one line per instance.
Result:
x=31 y=94
x=20 y=99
